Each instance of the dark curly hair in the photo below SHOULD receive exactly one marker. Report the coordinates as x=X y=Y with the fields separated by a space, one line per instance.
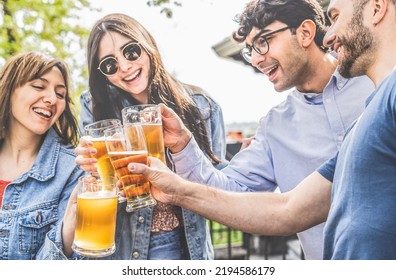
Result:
x=260 y=13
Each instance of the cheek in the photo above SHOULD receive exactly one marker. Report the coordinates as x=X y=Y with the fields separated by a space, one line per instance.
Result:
x=113 y=79
x=61 y=108
x=145 y=62
x=19 y=106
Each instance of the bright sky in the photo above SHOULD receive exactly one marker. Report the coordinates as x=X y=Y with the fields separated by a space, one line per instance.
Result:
x=185 y=42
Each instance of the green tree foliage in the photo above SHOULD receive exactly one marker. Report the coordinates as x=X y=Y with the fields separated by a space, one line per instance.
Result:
x=50 y=26
x=54 y=27
x=166 y=6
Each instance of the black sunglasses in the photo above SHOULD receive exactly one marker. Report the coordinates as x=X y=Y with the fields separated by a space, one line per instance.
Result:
x=109 y=65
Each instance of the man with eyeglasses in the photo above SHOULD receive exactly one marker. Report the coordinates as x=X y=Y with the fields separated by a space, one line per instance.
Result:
x=355 y=190
x=284 y=41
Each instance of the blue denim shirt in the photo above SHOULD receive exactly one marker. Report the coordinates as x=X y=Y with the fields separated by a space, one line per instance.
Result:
x=133 y=229
x=34 y=204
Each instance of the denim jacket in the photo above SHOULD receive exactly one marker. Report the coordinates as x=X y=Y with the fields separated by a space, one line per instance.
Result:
x=34 y=204
x=133 y=229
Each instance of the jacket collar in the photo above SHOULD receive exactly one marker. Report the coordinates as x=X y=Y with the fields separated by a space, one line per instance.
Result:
x=45 y=163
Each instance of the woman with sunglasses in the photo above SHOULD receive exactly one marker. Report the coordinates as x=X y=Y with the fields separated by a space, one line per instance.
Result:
x=125 y=68
x=37 y=168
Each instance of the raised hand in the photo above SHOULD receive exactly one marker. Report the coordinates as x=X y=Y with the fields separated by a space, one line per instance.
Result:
x=84 y=152
x=163 y=180
x=176 y=134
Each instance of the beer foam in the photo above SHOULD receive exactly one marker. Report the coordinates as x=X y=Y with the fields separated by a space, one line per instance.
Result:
x=151 y=124
x=94 y=139
x=98 y=194
x=127 y=153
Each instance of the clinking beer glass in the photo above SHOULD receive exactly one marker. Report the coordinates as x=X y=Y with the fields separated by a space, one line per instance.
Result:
x=96 y=217
x=149 y=116
x=126 y=144
x=94 y=132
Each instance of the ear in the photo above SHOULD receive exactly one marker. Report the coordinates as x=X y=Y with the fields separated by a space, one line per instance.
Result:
x=379 y=9
x=306 y=33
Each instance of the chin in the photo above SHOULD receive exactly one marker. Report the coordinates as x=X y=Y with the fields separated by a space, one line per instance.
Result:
x=41 y=130
x=281 y=88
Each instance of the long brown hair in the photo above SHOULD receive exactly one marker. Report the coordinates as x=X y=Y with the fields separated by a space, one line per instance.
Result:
x=23 y=68
x=163 y=87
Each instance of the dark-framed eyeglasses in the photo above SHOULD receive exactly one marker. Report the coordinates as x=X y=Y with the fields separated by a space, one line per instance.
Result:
x=109 y=65
x=260 y=44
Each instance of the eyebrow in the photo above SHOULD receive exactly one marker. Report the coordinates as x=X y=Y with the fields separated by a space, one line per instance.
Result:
x=123 y=46
x=112 y=55
x=261 y=33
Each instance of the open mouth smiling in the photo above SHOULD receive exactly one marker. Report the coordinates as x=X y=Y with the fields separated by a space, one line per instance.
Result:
x=271 y=71
x=42 y=112
x=133 y=76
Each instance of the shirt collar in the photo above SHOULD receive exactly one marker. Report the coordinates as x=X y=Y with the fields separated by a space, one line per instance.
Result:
x=316 y=98
x=339 y=80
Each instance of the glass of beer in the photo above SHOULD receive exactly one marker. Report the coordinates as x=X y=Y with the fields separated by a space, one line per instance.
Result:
x=149 y=116
x=96 y=217
x=126 y=144
x=94 y=132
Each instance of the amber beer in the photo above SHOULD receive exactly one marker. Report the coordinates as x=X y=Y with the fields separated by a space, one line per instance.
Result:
x=105 y=168
x=96 y=217
x=154 y=140
x=96 y=220
x=95 y=133
x=135 y=186
x=149 y=116
x=127 y=144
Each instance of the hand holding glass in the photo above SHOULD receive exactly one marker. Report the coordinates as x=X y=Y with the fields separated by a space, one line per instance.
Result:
x=96 y=217
x=126 y=144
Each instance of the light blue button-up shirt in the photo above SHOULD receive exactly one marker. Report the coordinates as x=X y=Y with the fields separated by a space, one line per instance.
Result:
x=292 y=140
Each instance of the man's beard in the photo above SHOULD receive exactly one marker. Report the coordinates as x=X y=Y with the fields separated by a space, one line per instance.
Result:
x=358 y=44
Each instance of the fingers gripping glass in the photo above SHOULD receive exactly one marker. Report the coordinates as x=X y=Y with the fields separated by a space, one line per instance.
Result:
x=260 y=44
x=109 y=65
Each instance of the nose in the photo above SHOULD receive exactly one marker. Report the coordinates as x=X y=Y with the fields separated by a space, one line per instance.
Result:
x=50 y=97
x=257 y=58
x=123 y=63
x=329 y=38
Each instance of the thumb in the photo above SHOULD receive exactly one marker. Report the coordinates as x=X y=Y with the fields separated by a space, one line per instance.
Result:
x=166 y=111
x=154 y=162
x=139 y=168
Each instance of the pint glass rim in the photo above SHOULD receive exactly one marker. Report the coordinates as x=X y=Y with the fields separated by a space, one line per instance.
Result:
x=108 y=130
x=137 y=109
x=97 y=126
x=82 y=184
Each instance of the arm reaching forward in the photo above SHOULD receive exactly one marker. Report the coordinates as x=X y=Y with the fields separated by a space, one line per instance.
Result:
x=262 y=213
